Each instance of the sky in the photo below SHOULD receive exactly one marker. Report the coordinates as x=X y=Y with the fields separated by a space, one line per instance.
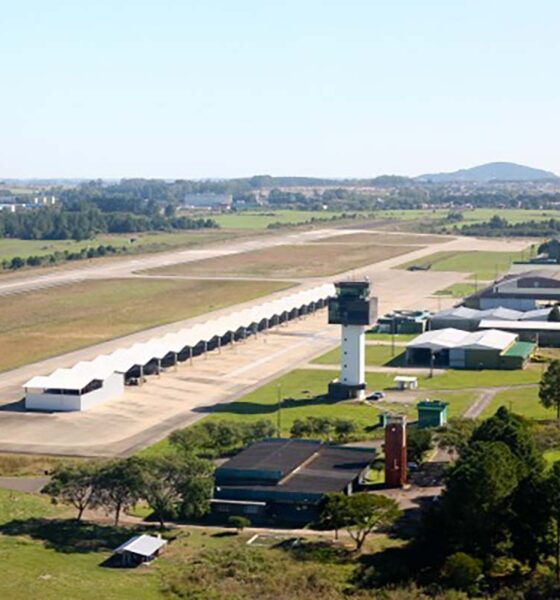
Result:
x=232 y=88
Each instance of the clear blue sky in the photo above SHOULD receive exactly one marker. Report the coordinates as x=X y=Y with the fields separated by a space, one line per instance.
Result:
x=223 y=88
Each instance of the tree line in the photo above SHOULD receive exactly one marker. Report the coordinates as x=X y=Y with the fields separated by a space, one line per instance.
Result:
x=62 y=224
x=498 y=226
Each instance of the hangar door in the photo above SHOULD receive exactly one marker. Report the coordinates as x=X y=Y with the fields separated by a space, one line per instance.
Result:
x=457 y=358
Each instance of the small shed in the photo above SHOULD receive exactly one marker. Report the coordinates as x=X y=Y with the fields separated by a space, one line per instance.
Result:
x=406 y=382
x=139 y=549
x=431 y=413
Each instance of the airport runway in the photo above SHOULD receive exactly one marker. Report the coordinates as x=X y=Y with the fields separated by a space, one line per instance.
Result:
x=178 y=398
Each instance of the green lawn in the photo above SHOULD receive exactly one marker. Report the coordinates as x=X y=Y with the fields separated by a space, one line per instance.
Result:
x=462 y=379
x=460 y=290
x=386 y=337
x=484 y=265
x=60 y=561
x=376 y=355
x=261 y=219
x=523 y=401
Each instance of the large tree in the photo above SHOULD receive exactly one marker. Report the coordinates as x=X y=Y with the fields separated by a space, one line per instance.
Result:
x=195 y=487
x=119 y=485
x=549 y=390
x=360 y=514
x=74 y=485
x=553 y=495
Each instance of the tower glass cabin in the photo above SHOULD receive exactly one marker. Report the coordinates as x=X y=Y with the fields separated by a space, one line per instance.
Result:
x=354 y=310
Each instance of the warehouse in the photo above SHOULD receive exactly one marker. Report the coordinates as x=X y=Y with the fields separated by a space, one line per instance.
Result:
x=468 y=319
x=520 y=291
x=488 y=349
x=403 y=321
x=541 y=333
x=91 y=382
x=284 y=480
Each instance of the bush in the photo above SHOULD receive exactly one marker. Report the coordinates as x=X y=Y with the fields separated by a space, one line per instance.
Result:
x=462 y=572
x=239 y=522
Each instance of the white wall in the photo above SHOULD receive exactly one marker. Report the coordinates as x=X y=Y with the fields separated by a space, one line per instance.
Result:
x=352 y=361
x=112 y=388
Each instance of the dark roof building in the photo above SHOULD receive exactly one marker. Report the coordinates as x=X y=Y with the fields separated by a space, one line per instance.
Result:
x=284 y=480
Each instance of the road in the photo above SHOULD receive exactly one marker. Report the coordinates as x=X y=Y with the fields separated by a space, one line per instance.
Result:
x=178 y=398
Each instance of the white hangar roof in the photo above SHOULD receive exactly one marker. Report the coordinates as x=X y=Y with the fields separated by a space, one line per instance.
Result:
x=124 y=359
x=439 y=339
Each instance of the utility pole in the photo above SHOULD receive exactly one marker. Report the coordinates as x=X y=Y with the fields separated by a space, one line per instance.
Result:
x=393 y=336
x=279 y=410
x=431 y=364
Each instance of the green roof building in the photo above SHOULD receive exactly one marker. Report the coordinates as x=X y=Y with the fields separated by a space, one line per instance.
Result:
x=431 y=413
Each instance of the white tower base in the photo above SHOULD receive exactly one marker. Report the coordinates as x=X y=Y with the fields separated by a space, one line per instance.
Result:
x=352 y=361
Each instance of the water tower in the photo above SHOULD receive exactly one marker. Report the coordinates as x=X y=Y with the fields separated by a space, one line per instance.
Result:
x=354 y=310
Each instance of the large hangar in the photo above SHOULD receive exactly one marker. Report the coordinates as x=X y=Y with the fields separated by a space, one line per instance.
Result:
x=455 y=348
x=90 y=383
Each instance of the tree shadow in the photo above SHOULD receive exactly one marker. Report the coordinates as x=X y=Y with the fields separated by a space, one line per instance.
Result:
x=69 y=536
x=256 y=408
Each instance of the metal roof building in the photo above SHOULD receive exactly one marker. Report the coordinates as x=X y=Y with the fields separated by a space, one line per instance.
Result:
x=89 y=383
x=490 y=349
x=285 y=479
x=139 y=549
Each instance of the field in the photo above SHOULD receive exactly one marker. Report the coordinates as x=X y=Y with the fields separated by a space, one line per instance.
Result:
x=143 y=242
x=391 y=239
x=459 y=290
x=262 y=219
x=376 y=355
x=386 y=337
x=41 y=562
x=524 y=402
x=483 y=265
x=312 y=260
x=41 y=323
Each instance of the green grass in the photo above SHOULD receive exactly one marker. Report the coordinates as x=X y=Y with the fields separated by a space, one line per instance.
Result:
x=48 y=322
x=386 y=337
x=38 y=563
x=143 y=242
x=376 y=355
x=484 y=265
x=523 y=401
x=261 y=219
x=459 y=290
x=463 y=379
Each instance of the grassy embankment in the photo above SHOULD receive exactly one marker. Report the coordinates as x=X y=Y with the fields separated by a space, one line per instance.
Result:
x=50 y=322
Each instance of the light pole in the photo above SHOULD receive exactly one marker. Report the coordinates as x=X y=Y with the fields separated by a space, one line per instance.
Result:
x=279 y=410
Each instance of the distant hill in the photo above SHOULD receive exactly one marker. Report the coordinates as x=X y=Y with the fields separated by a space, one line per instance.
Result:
x=496 y=171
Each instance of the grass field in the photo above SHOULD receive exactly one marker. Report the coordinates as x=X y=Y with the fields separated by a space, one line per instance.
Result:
x=48 y=322
x=376 y=355
x=41 y=562
x=523 y=401
x=459 y=290
x=311 y=260
x=484 y=265
x=386 y=337
x=143 y=242
x=488 y=378
x=391 y=239
x=262 y=219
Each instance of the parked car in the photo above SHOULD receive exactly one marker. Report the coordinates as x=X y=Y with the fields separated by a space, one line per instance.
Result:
x=376 y=396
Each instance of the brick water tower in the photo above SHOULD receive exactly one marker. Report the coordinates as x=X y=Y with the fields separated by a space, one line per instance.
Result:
x=354 y=310
x=395 y=451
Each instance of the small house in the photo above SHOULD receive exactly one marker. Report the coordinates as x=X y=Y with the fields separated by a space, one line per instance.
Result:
x=406 y=382
x=137 y=550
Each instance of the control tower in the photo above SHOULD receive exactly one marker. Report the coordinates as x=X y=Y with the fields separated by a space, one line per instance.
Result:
x=355 y=310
